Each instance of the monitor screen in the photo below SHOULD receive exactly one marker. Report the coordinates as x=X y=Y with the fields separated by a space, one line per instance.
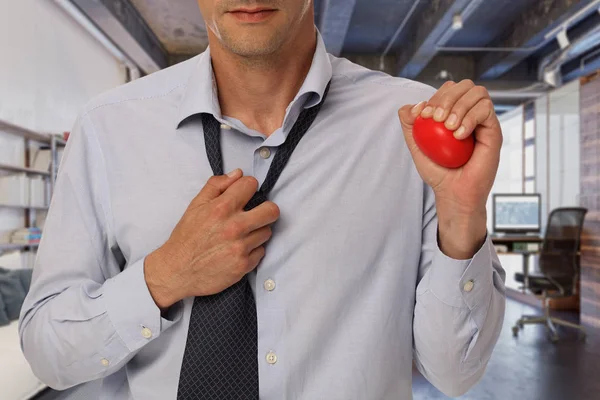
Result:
x=516 y=212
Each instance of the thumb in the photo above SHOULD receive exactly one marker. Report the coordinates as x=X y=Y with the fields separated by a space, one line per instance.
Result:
x=407 y=115
x=216 y=186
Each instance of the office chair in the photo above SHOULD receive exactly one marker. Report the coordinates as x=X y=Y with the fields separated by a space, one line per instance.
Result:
x=559 y=268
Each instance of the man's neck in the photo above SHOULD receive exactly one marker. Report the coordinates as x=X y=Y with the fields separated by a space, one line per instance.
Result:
x=258 y=91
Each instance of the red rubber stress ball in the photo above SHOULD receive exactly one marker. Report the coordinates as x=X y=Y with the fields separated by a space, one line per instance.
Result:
x=439 y=144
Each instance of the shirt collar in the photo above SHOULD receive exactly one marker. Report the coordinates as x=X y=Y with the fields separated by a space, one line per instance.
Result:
x=201 y=91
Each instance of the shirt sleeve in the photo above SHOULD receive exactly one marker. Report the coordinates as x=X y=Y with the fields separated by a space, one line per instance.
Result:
x=459 y=311
x=83 y=319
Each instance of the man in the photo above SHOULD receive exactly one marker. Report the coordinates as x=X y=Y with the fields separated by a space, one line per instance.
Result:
x=167 y=282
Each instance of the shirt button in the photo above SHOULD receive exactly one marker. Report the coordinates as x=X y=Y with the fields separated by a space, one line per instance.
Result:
x=147 y=333
x=264 y=152
x=104 y=362
x=271 y=358
x=225 y=126
x=468 y=286
x=269 y=285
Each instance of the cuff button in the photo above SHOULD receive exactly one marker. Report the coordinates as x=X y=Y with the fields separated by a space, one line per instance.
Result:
x=147 y=333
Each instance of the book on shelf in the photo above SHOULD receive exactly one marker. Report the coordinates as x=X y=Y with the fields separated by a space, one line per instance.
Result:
x=26 y=236
x=25 y=241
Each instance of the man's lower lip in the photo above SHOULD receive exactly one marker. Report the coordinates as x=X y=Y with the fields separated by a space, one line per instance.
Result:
x=254 y=16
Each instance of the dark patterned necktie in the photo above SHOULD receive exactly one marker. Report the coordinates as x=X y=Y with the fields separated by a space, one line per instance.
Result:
x=221 y=353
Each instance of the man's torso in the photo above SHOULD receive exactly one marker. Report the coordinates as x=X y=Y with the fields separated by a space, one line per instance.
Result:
x=343 y=256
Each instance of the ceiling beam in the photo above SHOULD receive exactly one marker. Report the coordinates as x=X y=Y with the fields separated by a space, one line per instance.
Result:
x=433 y=29
x=530 y=31
x=122 y=24
x=334 y=23
x=582 y=66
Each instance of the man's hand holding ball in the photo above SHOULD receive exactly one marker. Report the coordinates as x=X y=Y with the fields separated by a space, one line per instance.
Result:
x=461 y=181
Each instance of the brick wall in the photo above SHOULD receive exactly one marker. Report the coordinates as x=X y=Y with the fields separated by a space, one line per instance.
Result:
x=590 y=198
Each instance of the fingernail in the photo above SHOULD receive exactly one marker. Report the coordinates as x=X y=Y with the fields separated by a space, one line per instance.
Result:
x=427 y=112
x=452 y=120
x=416 y=107
x=460 y=132
x=233 y=173
x=439 y=114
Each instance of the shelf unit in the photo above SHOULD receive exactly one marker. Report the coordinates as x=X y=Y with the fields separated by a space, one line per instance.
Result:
x=28 y=171
x=22 y=207
x=15 y=246
x=54 y=142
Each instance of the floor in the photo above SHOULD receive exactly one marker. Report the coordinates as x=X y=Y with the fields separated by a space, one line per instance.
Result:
x=529 y=367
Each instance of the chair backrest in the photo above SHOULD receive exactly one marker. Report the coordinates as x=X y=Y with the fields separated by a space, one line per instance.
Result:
x=560 y=250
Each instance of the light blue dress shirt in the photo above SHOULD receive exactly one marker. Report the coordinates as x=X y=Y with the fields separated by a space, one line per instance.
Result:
x=353 y=286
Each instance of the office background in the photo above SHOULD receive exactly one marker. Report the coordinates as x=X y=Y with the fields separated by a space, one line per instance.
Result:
x=539 y=59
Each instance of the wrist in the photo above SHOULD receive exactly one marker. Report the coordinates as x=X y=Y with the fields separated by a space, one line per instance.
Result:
x=461 y=235
x=157 y=277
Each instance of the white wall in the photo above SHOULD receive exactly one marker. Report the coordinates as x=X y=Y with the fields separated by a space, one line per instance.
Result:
x=557 y=141
x=541 y=159
x=49 y=68
x=509 y=178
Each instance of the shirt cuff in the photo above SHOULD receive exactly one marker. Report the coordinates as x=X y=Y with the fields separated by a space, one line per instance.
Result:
x=463 y=283
x=132 y=310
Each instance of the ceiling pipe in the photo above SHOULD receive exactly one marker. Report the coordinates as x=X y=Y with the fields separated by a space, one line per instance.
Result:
x=588 y=57
x=133 y=72
x=396 y=34
x=549 y=70
x=490 y=49
x=549 y=36
x=515 y=94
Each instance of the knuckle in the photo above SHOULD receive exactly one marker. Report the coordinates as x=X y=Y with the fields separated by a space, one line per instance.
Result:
x=460 y=109
x=273 y=209
x=404 y=109
x=238 y=250
x=268 y=231
x=233 y=230
x=260 y=252
x=468 y=82
x=214 y=181
x=467 y=122
x=223 y=207
x=242 y=265
x=488 y=104
x=446 y=102
x=481 y=90
x=251 y=181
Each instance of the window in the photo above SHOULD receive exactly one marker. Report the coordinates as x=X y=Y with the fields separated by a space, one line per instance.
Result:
x=529 y=149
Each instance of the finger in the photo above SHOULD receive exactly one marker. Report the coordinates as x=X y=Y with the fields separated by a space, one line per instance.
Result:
x=254 y=257
x=216 y=186
x=260 y=216
x=429 y=110
x=407 y=116
x=464 y=105
x=482 y=114
x=240 y=192
x=258 y=237
x=409 y=113
x=444 y=102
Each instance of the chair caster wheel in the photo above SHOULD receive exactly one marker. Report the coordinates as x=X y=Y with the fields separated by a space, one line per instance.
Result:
x=520 y=325
x=515 y=331
x=554 y=338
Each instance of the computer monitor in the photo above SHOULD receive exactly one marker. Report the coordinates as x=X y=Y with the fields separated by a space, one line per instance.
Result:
x=517 y=213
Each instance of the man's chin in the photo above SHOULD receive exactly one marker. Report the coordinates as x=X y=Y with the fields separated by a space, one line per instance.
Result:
x=254 y=47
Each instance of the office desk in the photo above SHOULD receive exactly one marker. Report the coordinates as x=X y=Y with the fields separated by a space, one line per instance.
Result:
x=510 y=240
